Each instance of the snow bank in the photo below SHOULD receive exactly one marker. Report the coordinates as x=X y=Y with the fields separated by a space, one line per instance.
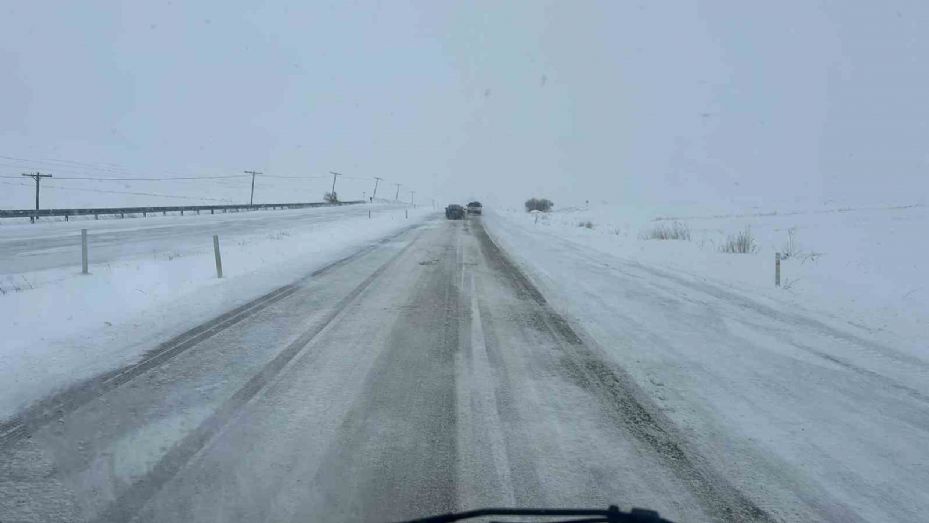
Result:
x=60 y=327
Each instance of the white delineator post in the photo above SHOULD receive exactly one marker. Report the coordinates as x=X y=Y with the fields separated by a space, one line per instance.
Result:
x=84 y=251
x=777 y=269
x=219 y=261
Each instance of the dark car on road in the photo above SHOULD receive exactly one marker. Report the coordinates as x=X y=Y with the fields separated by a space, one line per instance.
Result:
x=475 y=208
x=455 y=212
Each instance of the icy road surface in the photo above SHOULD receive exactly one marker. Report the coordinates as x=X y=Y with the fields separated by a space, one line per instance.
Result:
x=423 y=376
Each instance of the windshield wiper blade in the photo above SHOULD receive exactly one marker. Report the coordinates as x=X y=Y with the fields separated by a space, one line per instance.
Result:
x=610 y=515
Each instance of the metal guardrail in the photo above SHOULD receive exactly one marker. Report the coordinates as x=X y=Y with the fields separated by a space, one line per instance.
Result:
x=144 y=211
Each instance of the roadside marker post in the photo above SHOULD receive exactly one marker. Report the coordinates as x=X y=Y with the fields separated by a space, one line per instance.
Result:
x=219 y=261
x=84 y=251
x=777 y=269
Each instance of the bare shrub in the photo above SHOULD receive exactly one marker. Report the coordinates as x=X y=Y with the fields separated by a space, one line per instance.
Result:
x=331 y=197
x=791 y=248
x=663 y=231
x=539 y=204
x=586 y=224
x=741 y=243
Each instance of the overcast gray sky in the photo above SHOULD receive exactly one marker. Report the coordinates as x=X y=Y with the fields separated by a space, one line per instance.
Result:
x=622 y=101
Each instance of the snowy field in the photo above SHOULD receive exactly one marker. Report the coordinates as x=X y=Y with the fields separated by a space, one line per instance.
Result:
x=150 y=279
x=813 y=393
x=863 y=266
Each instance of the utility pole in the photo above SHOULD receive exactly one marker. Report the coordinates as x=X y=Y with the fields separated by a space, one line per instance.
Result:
x=334 y=176
x=412 y=201
x=374 y=195
x=251 y=199
x=397 y=196
x=36 y=177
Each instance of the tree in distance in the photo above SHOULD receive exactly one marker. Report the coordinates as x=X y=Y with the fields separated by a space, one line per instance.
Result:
x=539 y=204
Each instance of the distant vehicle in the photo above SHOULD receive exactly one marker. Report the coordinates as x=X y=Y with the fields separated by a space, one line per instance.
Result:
x=455 y=212
x=475 y=208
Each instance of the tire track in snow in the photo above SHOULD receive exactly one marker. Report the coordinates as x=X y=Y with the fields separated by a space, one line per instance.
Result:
x=479 y=419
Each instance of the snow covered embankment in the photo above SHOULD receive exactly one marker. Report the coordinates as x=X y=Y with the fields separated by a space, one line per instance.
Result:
x=806 y=397
x=60 y=327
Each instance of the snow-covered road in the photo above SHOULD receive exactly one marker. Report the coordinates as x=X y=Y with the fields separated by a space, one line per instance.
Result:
x=422 y=376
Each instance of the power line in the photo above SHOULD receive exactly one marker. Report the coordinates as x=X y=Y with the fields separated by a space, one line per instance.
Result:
x=77 y=166
x=294 y=177
x=173 y=178
x=80 y=167
x=114 y=168
x=58 y=163
x=134 y=193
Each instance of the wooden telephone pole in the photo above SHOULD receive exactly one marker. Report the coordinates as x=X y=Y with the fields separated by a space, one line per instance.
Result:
x=251 y=199
x=374 y=195
x=37 y=177
x=334 y=176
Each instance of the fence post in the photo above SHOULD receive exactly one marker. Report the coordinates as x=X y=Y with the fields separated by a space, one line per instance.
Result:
x=84 y=251
x=219 y=261
x=777 y=269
